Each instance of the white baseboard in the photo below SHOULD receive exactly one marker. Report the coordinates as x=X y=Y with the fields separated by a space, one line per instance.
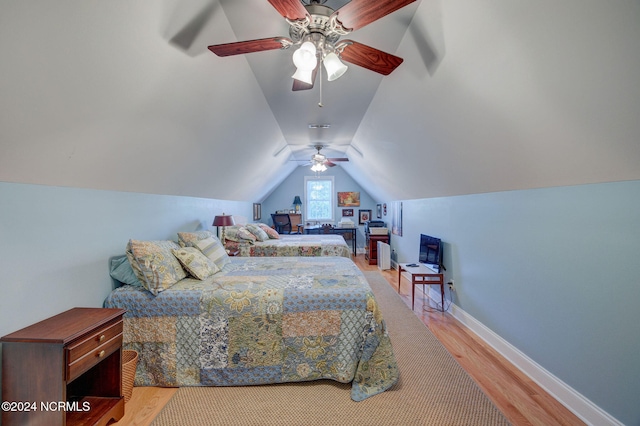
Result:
x=582 y=407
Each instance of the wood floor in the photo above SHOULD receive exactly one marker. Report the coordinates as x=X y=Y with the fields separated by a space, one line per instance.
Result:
x=521 y=400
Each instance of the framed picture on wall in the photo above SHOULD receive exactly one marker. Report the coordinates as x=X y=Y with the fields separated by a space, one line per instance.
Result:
x=379 y=211
x=347 y=212
x=348 y=199
x=257 y=211
x=365 y=215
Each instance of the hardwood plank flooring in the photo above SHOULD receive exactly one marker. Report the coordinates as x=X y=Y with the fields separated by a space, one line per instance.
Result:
x=145 y=404
x=521 y=400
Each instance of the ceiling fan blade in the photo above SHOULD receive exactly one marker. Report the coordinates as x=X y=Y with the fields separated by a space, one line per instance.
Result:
x=337 y=159
x=329 y=163
x=290 y=9
x=370 y=58
x=301 y=85
x=358 y=13
x=250 y=46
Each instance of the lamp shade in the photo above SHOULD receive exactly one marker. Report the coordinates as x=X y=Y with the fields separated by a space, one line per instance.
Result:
x=223 y=220
x=305 y=57
x=297 y=201
x=318 y=167
x=306 y=76
x=335 y=68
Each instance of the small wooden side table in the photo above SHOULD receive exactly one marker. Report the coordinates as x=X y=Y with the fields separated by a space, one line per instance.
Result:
x=65 y=370
x=421 y=275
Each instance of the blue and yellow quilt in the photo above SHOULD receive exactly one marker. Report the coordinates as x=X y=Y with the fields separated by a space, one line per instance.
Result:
x=258 y=321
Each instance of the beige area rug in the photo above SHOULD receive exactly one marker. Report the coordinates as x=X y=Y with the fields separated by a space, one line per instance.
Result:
x=433 y=389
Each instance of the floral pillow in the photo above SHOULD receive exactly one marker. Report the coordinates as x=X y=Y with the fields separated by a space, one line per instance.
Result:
x=154 y=264
x=258 y=232
x=231 y=233
x=191 y=237
x=196 y=263
x=245 y=235
x=272 y=233
x=213 y=249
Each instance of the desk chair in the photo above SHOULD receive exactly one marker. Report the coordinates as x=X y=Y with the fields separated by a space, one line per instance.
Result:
x=282 y=222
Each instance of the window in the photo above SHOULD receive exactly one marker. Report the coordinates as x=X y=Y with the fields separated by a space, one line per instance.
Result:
x=319 y=198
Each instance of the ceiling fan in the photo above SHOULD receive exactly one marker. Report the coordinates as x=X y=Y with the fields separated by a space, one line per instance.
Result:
x=317 y=29
x=319 y=162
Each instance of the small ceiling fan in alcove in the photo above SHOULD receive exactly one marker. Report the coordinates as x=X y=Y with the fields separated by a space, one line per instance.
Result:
x=317 y=30
x=319 y=162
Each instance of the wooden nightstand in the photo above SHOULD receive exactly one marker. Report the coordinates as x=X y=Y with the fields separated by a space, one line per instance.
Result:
x=68 y=368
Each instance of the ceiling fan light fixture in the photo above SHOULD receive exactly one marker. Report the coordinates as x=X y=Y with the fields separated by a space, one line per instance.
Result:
x=318 y=158
x=334 y=66
x=306 y=76
x=305 y=57
x=318 y=167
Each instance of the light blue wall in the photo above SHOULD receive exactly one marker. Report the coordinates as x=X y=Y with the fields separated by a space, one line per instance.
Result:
x=55 y=243
x=282 y=197
x=555 y=272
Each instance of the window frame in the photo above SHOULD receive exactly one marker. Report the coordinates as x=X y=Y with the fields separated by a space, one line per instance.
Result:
x=332 y=202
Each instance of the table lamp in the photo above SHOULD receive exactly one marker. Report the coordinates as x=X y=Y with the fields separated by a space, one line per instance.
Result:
x=223 y=220
x=297 y=202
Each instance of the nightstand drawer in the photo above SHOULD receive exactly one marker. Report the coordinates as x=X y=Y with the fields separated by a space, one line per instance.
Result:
x=77 y=350
x=80 y=365
x=90 y=350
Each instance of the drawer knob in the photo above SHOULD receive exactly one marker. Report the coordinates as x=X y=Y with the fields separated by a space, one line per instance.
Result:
x=100 y=354
x=101 y=338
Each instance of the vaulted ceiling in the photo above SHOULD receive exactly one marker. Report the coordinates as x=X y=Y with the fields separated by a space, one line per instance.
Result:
x=492 y=95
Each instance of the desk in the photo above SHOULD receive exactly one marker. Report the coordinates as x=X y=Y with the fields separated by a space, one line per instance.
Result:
x=319 y=229
x=421 y=275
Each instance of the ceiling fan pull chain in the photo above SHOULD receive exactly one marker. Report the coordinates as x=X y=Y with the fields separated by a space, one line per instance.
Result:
x=320 y=71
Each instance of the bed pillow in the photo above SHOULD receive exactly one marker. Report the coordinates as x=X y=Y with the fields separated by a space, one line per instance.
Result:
x=191 y=237
x=213 y=249
x=196 y=263
x=154 y=264
x=121 y=271
x=245 y=235
x=231 y=233
x=258 y=232
x=240 y=234
x=272 y=233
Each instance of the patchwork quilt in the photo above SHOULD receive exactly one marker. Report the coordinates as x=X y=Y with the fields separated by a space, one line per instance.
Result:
x=295 y=245
x=258 y=321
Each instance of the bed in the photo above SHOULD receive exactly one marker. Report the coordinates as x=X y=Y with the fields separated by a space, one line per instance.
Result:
x=261 y=320
x=293 y=245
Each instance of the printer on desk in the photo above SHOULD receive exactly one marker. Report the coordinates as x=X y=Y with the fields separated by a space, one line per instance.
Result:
x=375 y=227
x=346 y=223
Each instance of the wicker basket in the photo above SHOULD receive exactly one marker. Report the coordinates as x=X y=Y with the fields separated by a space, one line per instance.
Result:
x=129 y=365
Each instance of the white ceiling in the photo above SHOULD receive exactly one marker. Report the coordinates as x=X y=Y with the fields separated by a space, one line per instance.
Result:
x=493 y=95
